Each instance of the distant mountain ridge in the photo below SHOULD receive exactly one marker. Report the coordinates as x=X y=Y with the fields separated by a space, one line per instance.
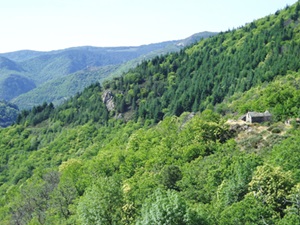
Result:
x=24 y=55
x=26 y=70
x=8 y=64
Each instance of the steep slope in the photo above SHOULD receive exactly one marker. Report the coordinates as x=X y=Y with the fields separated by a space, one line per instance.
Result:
x=80 y=163
x=61 y=89
x=51 y=65
x=45 y=68
x=281 y=98
x=172 y=47
x=203 y=75
x=75 y=159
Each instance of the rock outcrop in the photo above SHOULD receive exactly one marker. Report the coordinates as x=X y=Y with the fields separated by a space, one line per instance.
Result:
x=108 y=100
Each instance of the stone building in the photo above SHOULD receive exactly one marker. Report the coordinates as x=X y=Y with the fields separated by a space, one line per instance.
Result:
x=257 y=117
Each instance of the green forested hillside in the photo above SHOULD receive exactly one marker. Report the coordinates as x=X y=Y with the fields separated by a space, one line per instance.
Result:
x=214 y=68
x=36 y=69
x=30 y=78
x=8 y=113
x=172 y=47
x=41 y=67
x=281 y=98
x=13 y=85
x=160 y=157
x=59 y=90
x=8 y=64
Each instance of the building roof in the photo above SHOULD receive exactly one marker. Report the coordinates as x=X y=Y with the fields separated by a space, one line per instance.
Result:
x=257 y=114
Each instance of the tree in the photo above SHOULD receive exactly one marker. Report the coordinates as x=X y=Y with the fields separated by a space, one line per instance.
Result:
x=63 y=197
x=34 y=199
x=239 y=174
x=163 y=207
x=271 y=186
x=102 y=203
x=281 y=155
x=170 y=175
x=292 y=213
x=168 y=207
x=248 y=211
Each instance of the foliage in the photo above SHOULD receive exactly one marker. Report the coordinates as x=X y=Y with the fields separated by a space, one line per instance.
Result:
x=28 y=77
x=102 y=203
x=170 y=175
x=281 y=98
x=248 y=211
x=271 y=186
x=8 y=113
x=164 y=208
x=198 y=77
x=79 y=163
x=65 y=87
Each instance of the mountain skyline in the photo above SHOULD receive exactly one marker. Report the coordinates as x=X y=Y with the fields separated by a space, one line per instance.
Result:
x=29 y=78
x=49 y=25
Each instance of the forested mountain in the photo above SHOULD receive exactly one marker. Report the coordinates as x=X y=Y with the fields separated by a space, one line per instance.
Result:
x=60 y=89
x=25 y=70
x=58 y=64
x=206 y=73
x=29 y=78
x=155 y=146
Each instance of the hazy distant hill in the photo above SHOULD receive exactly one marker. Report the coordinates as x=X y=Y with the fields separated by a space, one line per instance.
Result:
x=14 y=80
x=60 y=89
x=44 y=76
x=22 y=55
x=8 y=64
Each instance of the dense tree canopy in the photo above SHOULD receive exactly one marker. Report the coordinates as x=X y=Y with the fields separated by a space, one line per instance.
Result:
x=166 y=154
x=204 y=74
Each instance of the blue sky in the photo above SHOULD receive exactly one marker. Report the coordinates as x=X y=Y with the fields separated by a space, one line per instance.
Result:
x=56 y=24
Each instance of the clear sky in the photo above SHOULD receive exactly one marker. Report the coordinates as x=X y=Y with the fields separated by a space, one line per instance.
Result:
x=56 y=24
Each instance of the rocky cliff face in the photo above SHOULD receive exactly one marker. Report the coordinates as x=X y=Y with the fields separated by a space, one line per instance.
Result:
x=108 y=100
